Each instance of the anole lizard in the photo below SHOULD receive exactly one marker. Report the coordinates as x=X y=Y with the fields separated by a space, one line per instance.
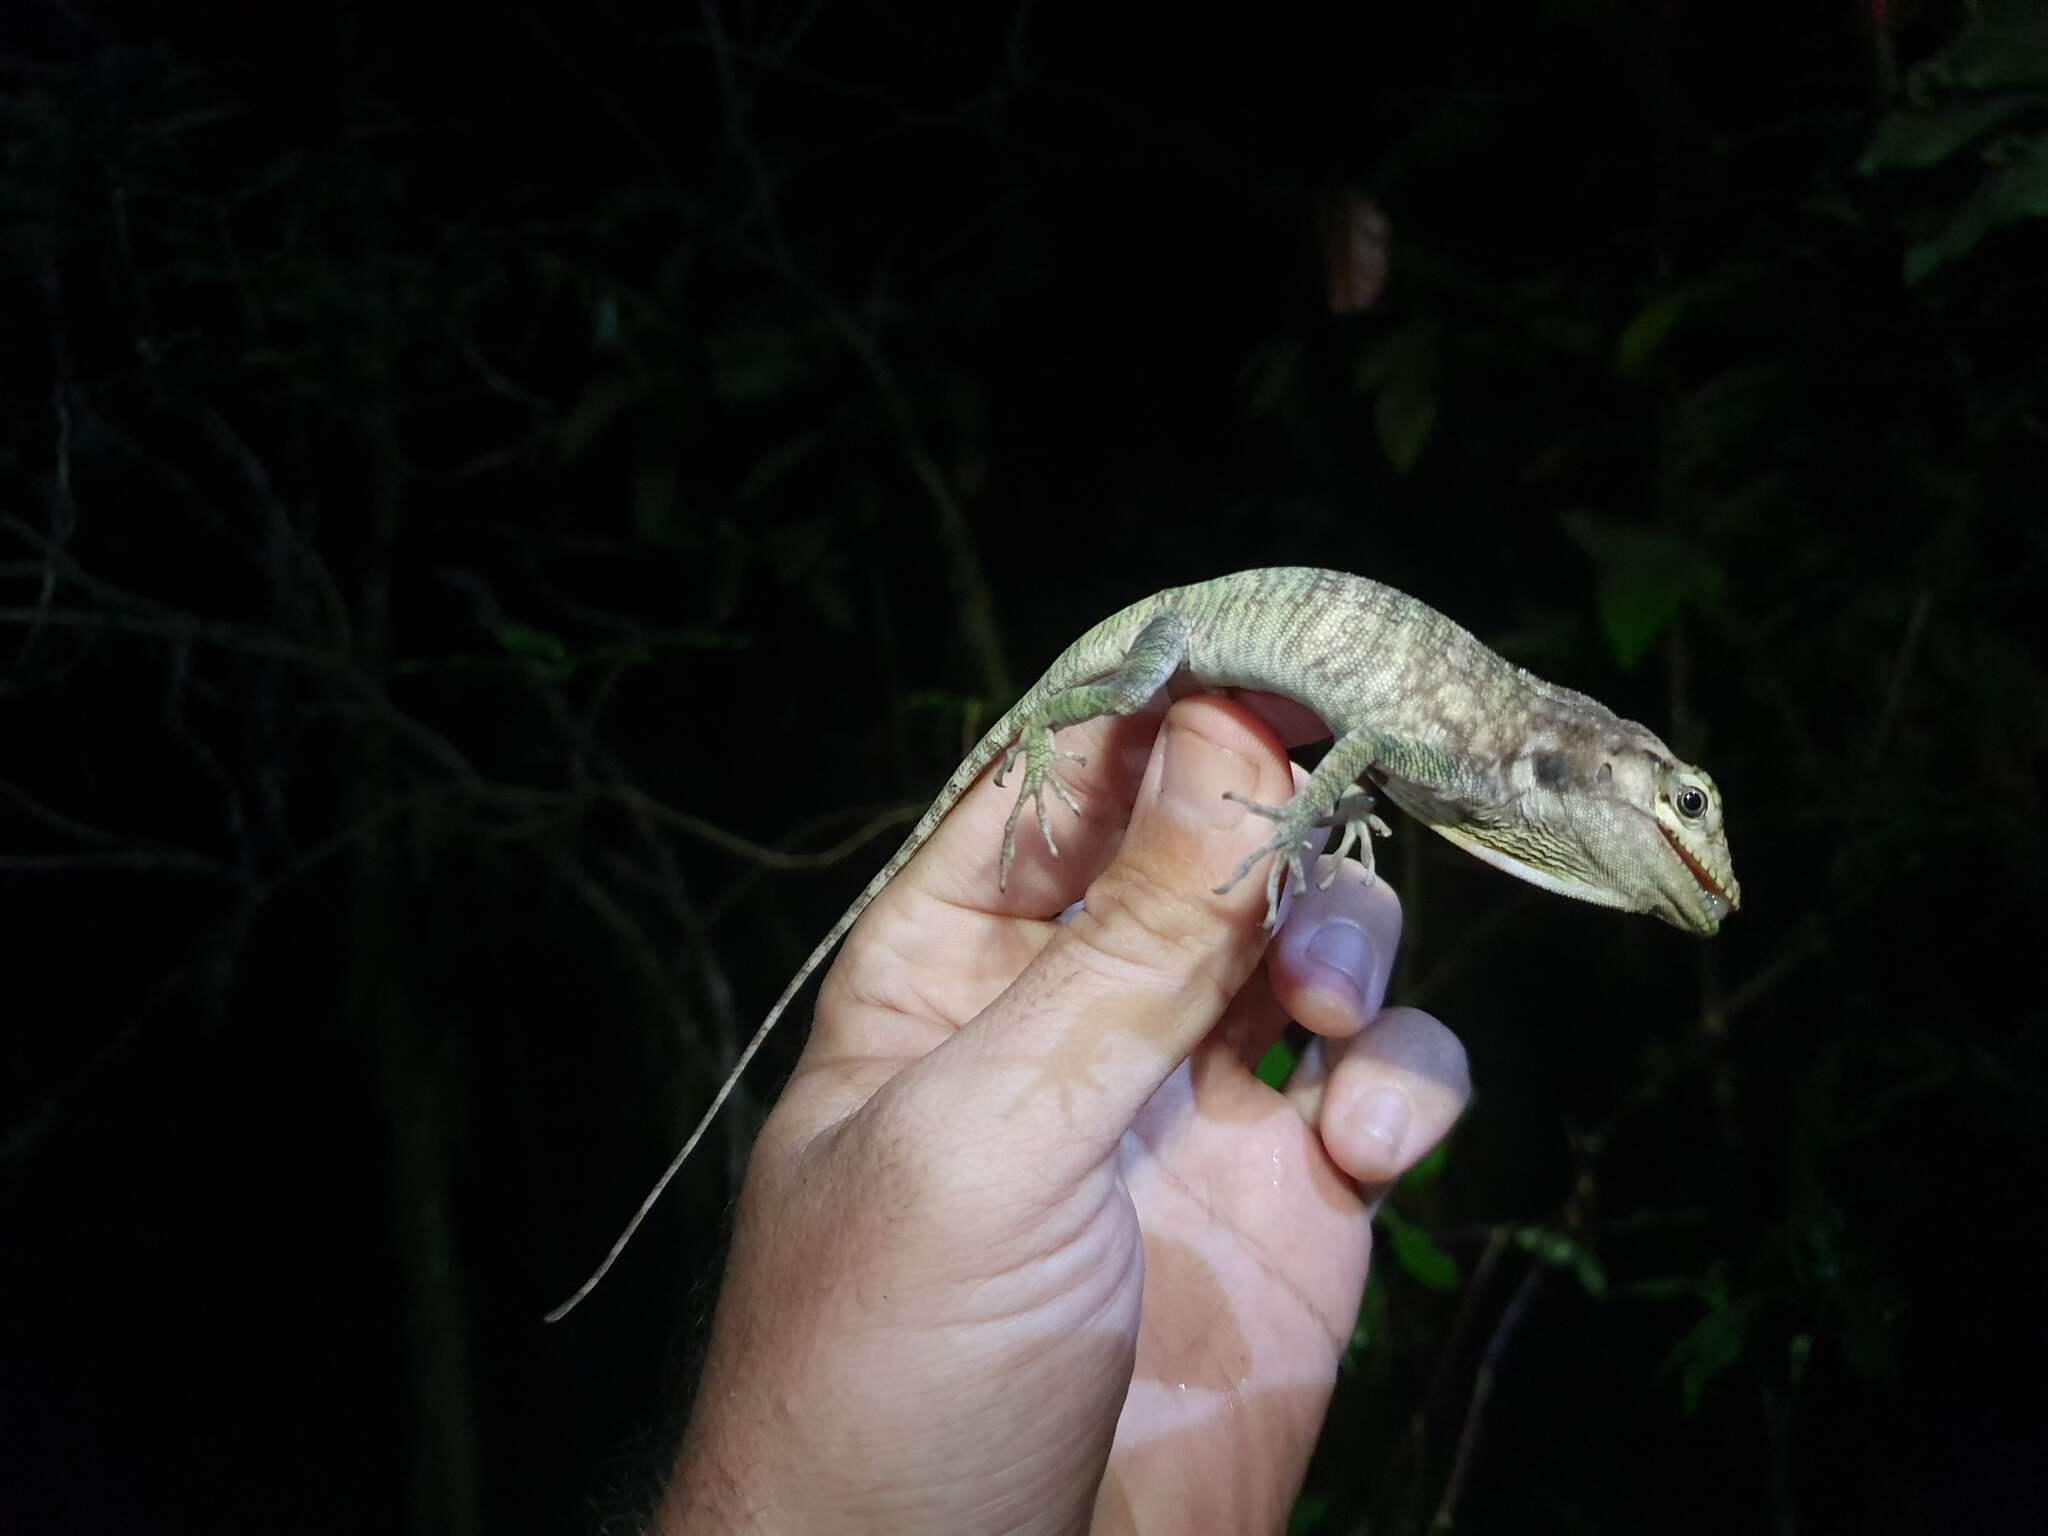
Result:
x=1534 y=779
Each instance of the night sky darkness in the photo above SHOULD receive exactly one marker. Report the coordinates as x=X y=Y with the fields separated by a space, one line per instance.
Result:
x=420 y=426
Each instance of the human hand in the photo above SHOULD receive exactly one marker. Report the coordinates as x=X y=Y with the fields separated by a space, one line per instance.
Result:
x=1025 y=1243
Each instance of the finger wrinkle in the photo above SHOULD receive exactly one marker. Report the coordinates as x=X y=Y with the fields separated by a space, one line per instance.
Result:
x=1337 y=1331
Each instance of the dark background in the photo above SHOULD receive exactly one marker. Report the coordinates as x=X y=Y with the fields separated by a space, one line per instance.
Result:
x=479 y=485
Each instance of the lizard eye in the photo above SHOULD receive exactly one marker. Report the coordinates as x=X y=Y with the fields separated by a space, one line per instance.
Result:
x=1691 y=802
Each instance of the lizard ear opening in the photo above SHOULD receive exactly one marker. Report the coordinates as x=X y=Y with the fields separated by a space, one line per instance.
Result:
x=1605 y=775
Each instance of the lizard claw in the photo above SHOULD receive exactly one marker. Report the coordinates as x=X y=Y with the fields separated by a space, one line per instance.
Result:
x=1360 y=828
x=1289 y=844
x=1285 y=847
x=1035 y=743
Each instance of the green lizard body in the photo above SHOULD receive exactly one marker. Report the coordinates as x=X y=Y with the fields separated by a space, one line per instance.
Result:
x=1545 y=783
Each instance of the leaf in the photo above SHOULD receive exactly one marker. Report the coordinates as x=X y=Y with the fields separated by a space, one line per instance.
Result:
x=607 y=332
x=1991 y=55
x=752 y=362
x=1403 y=415
x=1914 y=139
x=1429 y=1169
x=1662 y=1288
x=2015 y=192
x=1271 y=377
x=1714 y=1344
x=1276 y=1064
x=660 y=515
x=604 y=398
x=1417 y=1252
x=1646 y=576
x=1562 y=1252
x=829 y=596
x=776 y=465
x=1371 y=1322
x=1643 y=335
x=549 y=652
x=1310 y=1514
x=1397 y=371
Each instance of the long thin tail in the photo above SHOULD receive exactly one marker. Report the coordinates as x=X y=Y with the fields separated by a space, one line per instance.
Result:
x=984 y=753
x=817 y=956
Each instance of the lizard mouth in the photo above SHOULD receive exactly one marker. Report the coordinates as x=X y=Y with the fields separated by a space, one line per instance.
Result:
x=1693 y=867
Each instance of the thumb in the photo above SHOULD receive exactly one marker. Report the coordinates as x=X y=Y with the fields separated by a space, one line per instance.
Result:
x=1064 y=1059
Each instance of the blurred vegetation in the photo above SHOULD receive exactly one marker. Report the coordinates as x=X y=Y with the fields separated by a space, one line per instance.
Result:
x=500 y=517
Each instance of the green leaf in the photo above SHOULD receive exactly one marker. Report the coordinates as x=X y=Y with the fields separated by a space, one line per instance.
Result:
x=607 y=332
x=1591 y=1273
x=1271 y=377
x=1562 y=1252
x=1397 y=371
x=1310 y=1513
x=776 y=465
x=1662 y=1288
x=1913 y=139
x=1369 y=1324
x=1646 y=577
x=1377 y=364
x=1990 y=55
x=1276 y=1064
x=754 y=362
x=1714 y=1344
x=1429 y=1169
x=1643 y=335
x=1417 y=1252
x=1403 y=415
x=2015 y=192
x=603 y=399
x=548 y=651
x=1797 y=1355
x=1361 y=1336
x=660 y=515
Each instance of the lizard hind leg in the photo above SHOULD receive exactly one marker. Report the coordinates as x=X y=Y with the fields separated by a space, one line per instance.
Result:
x=1154 y=656
x=1039 y=756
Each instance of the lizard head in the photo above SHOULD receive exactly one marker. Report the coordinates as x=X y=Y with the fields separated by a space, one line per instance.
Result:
x=1615 y=819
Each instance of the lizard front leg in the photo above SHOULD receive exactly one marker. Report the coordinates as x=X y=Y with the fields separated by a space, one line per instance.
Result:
x=1328 y=799
x=1157 y=653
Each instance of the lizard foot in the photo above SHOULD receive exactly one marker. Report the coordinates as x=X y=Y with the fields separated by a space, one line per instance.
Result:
x=1291 y=844
x=1288 y=845
x=1354 y=814
x=1039 y=756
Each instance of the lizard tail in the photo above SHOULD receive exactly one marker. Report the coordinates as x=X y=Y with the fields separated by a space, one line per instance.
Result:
x=990 y=746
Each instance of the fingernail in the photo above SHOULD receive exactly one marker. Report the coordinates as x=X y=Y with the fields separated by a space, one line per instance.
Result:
x=1382 y=1115
x=1195 y=773
x=1345 y=955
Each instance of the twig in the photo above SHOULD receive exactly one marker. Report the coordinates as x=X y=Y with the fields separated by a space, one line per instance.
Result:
x=646 y=954
x=56 y=1106
x=57 y=821
x=1482 y=1389
x=229 y=637
x=136 y=860
x=1803 y=945
x=1472 y=939
x=974 y=603
x=1902 y=669
x=769 y=858
x=1415 y=1441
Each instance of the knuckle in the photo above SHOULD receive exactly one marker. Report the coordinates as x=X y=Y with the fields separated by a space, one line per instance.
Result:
x=1150 y=928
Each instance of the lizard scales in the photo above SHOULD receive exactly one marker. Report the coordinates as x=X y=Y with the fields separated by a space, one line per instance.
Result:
x=1541 y=781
